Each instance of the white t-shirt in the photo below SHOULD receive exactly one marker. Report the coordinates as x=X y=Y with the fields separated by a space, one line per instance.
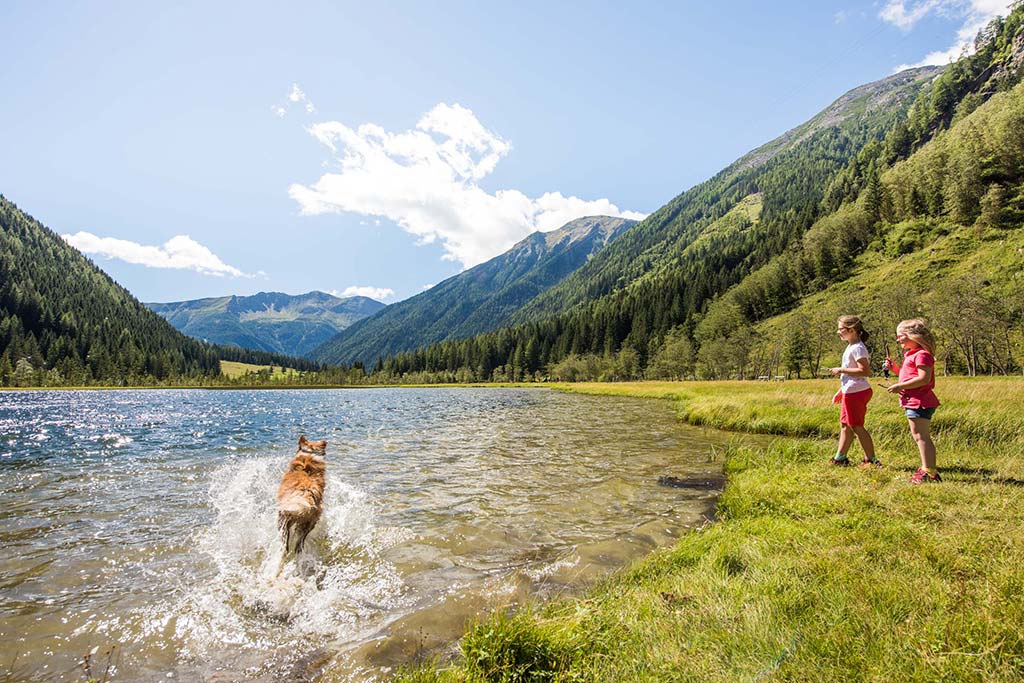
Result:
x=850 y=383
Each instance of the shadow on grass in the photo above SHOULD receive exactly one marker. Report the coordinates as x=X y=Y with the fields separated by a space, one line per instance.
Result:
x=973 y=475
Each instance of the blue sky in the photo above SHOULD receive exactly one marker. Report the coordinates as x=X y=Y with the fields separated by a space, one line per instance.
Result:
x=205 y=149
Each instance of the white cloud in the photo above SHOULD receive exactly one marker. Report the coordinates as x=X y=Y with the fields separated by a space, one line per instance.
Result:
x=427 y=181
x=181 y=252
x=896 y=12
x=295 y=96
x=975 y=15
x=378 y=293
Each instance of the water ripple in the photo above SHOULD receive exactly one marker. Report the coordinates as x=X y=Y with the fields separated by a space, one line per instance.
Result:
x=145 y=520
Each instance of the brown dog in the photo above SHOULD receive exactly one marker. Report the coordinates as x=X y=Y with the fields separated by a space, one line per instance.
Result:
x=301 y=494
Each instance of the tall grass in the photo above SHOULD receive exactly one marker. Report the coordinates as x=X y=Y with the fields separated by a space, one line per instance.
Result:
x=812 y=573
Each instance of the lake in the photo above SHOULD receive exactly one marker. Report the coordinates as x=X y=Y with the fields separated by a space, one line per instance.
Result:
x=139 y=526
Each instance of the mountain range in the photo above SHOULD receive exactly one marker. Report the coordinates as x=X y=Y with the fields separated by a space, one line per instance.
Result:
x=479 y=299
x=268 y=321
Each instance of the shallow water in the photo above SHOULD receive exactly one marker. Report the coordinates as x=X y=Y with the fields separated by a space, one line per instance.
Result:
x=139 y=526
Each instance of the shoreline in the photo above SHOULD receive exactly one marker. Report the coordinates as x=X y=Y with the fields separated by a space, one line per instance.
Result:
x=226 y=387
x=657 y=389
x=811 y=572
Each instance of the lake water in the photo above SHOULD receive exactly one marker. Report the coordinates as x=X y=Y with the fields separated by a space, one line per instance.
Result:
x=139 y=526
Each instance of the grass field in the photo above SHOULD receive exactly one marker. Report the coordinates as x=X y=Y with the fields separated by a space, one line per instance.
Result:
x=232 y=369
x=811 y=573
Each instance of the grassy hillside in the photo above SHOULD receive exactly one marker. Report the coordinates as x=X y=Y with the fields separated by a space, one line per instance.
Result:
x=947 y=245
x=812 y=573
x=791 y=173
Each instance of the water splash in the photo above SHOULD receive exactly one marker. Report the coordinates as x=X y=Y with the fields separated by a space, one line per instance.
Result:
x=254 y=604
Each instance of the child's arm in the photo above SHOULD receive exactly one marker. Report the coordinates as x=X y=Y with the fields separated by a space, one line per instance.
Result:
x=863 y=369
x=924 y=376
x=892 y=365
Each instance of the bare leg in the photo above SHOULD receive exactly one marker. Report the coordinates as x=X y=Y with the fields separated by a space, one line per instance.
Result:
x=864 y=437
x=920 y=429
x=845 y=438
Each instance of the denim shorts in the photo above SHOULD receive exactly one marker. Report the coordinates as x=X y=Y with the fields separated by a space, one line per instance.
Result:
x=920 y=413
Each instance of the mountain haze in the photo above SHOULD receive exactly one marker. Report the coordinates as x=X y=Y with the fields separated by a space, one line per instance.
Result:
x=268 y=321
x=479 y=299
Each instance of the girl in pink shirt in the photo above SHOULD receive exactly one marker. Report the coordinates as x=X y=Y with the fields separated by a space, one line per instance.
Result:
x=915 y=387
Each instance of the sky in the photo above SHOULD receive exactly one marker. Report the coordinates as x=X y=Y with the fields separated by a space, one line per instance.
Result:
x=198 y=149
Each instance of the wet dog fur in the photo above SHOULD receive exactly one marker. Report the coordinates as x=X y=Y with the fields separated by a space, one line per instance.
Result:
x=301 y=495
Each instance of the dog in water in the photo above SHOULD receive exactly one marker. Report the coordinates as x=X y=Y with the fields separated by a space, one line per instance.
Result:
x=301 y=495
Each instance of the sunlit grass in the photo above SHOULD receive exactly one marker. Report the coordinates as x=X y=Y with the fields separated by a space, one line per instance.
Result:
x=232 y=369
x=812 y=573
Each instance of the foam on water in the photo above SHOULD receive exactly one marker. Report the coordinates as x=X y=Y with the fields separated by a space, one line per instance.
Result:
x=252 y=610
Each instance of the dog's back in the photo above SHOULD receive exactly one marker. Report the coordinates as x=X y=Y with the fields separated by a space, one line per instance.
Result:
x=301 y=494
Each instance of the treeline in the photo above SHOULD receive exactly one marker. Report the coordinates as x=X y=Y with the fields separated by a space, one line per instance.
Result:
x=64 y=322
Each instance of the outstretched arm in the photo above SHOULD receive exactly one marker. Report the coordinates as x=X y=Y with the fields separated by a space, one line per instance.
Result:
x=924 y=376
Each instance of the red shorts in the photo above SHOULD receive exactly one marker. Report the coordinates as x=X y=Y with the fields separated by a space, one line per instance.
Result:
x=853 y=408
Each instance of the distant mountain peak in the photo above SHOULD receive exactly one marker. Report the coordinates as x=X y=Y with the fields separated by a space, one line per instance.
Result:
x=861 y=100
x=581 y=228
x=478 y=299
x=292 y=324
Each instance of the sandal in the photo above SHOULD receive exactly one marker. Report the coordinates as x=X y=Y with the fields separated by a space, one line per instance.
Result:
x=922 y=476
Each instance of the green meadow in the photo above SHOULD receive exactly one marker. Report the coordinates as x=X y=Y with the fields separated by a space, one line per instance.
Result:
x=809 y=572
x=234 y=369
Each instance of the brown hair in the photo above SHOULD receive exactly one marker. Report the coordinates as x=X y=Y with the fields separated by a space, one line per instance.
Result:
x=854 y=323
x=918 y=330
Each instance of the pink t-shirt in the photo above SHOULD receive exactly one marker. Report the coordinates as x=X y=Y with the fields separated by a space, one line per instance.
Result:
x=919 y=397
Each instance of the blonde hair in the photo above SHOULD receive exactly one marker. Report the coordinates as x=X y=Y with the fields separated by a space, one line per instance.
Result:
x=918 y=330
x=854 y=323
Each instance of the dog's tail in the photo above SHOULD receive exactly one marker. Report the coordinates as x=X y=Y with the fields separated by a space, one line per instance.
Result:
x=293 y=532
x=296 y=517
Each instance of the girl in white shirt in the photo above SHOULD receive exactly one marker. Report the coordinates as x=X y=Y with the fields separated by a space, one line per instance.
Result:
x=854 y=392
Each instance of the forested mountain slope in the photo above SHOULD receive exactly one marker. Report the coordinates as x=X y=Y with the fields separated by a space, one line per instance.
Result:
x=65 y=321
x=939 y=236
x=774 y=230
x=479 y=299
x=790 y=173
x=268 y=321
